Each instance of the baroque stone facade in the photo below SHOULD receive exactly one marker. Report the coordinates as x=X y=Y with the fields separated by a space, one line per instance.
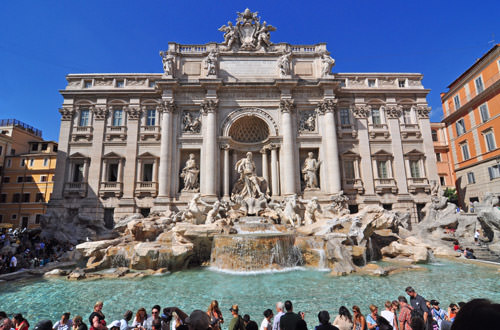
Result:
x=126 y=139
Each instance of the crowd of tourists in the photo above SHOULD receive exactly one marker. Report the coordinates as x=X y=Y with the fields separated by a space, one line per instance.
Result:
x=23 y=249
x=400 y=314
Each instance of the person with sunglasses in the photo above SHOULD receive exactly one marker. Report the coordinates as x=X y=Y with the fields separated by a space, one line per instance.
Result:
x=358 y=319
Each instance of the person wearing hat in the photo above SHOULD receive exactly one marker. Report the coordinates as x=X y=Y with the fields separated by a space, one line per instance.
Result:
x=237 y=322
x=418 y=304
x=438 y=315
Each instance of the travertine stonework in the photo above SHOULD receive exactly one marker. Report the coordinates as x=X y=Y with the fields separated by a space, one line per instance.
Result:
x=125 y=138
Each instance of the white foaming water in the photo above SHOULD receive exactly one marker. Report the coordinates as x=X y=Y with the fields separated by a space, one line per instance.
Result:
x=255 y=272
x=248 y=232
x=322 y=260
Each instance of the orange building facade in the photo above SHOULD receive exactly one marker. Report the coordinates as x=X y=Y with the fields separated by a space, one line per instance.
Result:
x=443 y=156
x=472 y=123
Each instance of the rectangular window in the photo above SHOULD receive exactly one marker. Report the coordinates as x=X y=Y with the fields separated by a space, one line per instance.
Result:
x=12 y=152
x=23 y=162
x=26 y=198
x=32 y=162
x=87 y=84
x=37 y=219
x=456 y=100
x=479 y=84
x=460 y=126
x=471 y=178
x=382 y=169
x=465 y=151
x=342 y=83
x=39 y=198
x=113 y=173
x=415 y=168
x=349 y=169
x=494 y=172
x=489 y=138
x=151 y=117
x=16 y=198
x=442 y=180
x=434 y=135
x=407 y=116
x=402 y=83
x=28 y=179
x=120 y=83
x=483 y=109
x=152 y=84
x=6 y=179
x=147 y=173
x=13 y=217
x=371 y=82
x=43 y=178
x=9 y=163
x=20 y=179
x=117 y=117
x=44 y=146
x=1 y=150
x=34 y=147
x=1 y=218
x=78 y=173
x=438 y=156
x=3 y=198
x=376 y=120
x=344 y=117
x=45 y=162
x=84 y=117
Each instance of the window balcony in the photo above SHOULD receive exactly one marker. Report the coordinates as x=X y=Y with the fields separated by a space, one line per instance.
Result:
x=378 y=130
x=75 y=189
x=143 y=189
x=82 y=133
x=385 y=185
x=150 y=132
x=416 y=184
x=410 y=130
x=353 y=185
x=116 y=132
x=111 y=189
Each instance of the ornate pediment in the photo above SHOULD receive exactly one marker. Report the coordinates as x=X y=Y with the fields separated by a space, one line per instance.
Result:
x=248 y=33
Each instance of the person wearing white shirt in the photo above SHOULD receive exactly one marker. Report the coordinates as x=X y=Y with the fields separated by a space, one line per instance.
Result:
x=277 y=317
x=127 y=316
x=388 y=314
x=266 y=322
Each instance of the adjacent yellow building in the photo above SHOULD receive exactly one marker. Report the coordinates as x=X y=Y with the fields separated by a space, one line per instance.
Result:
x=27 y=174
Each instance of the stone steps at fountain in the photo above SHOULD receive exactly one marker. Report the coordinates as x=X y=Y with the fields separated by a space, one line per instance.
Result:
x=482 y=252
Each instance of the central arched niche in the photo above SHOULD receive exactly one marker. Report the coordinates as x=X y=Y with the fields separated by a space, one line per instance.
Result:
x=249 y=129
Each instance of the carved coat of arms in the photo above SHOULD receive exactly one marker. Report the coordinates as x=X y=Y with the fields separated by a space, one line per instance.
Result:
x=248 y=33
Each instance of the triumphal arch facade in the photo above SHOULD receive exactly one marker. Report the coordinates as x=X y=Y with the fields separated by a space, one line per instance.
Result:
x=143 y=142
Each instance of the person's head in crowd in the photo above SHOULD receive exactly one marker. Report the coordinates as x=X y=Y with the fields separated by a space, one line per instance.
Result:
x=288 y=306
x=324 y=317
x=77 y=320
x=115 y=325
x=198 y=320
x=344 y=311
x=127 y=316
x=43 y=325
x=155 y=311
x=268 y=313
x=411 y=292
x=477 y=314
x=234 y=309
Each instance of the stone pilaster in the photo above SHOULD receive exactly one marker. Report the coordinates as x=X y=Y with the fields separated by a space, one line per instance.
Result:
x=360 y=112
x=67 y=113
x=166 y=109
x=129 y=175
x=392 y=113
x=209 y=148
x=326 y=109
x=289 y=182
x=423 y=112
x=100 y=113
x=275 y=183
x=225 y=183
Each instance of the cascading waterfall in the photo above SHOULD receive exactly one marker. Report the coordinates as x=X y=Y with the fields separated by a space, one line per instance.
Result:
x=322 y=259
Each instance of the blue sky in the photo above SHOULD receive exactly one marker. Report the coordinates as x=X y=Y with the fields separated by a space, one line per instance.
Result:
x=42 y=41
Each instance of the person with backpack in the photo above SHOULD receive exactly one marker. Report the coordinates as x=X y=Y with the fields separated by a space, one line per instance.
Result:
x=237 y=322
x=420 y=309
x=405 y=314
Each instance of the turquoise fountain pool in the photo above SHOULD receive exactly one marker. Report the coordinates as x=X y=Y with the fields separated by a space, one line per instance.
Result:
x=310 y=291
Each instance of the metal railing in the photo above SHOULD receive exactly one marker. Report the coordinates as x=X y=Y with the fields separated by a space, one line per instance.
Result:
x=20 y=124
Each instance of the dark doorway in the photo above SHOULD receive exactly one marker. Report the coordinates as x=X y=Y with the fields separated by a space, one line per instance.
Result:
x=387 y=207
x=24 y=221
x=108 y=218
x=420 y=214
x=145 y=212
x=353 y=209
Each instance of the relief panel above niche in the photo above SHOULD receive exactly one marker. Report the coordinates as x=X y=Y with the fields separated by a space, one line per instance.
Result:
x=248 y=68
x=303 y=69
x=191 y=68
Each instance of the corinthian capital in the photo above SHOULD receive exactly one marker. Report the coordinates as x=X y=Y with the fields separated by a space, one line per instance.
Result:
x=360 y=111
x=100 y=112
x=133 y=112
x=66 y=113
x=287 y=105
x=328 y=105
x=166 y=106
x=393 y=111
x=423 y=111
x=209 y=105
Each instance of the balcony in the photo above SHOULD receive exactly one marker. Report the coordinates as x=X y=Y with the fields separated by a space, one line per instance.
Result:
x=82 y=133
x=353 y=185
x=349 y=130
x=75 y=189
x=416 y=184
x=116 y=132
x=143 y=189
x=111 y=189
x=378 y=130
x=150 y=132
x=385 y=185
x=410 y=130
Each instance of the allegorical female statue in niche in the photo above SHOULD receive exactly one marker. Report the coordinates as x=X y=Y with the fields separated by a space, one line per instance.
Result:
x=309 y=170
x=190 y=175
